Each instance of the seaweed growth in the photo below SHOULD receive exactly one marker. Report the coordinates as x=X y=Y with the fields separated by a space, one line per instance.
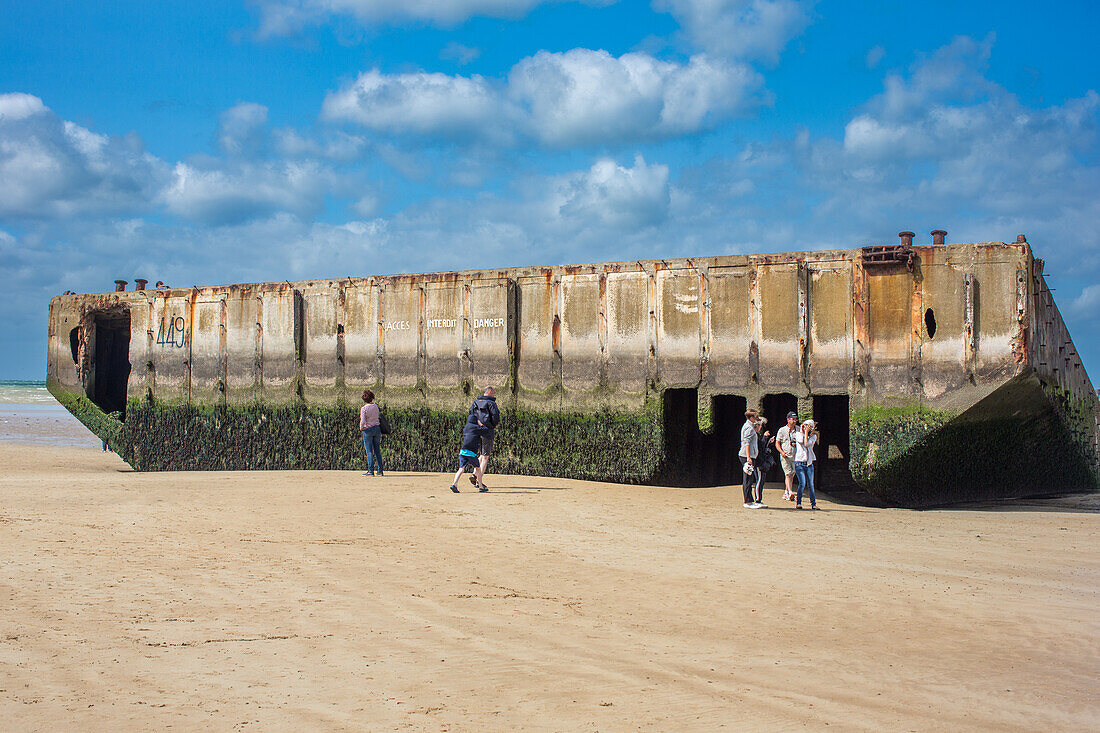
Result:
x=108 y=427
x=606 y=446
x=1017 y=441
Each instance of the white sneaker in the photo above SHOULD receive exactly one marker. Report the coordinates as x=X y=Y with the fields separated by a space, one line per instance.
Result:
x=748 y=506
x=760 y=505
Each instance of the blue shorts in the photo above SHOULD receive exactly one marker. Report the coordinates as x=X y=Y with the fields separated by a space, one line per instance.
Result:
x=465 y=460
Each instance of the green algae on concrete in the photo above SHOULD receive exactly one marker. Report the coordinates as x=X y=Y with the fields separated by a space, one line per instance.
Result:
x=603 y=446
x=904 y=455
x=107 y=427
x=1002 y=446
x=1079 y=419
x=882 y=441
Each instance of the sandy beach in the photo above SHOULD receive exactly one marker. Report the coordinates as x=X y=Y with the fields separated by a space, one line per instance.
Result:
x=334 y=601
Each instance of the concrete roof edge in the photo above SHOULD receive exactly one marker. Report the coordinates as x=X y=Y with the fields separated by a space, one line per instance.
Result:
x=524 y=270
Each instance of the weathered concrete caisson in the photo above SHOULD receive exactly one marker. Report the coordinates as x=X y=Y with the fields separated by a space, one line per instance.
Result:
x=938 y=373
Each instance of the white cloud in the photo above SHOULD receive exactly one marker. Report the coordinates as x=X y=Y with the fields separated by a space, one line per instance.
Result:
x=284 y=17
x=869 y=136
x=458 y=53
x=421 y=103
x=55 y=169
x=50 y=167
x=1087 y=304
x=754 y=29
x=946 y=137
x=611 y=196
x=335 y=145
x=953 y=74
x=242 y=127
x=875 y=56
x=218 y=194
x=579 y=97
x=582 y=97
x=366 y=207
x=18 y=106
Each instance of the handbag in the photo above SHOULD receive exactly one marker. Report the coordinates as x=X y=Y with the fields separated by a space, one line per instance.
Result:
x=383 y=423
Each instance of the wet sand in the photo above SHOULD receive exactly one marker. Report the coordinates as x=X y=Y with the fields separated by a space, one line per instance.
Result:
x=45 y=423
x=311 y=600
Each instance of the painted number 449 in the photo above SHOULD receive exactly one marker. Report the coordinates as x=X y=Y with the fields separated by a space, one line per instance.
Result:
x=173 y=334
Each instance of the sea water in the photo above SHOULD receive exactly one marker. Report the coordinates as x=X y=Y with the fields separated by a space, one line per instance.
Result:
x=25 y=392
x=30 y=414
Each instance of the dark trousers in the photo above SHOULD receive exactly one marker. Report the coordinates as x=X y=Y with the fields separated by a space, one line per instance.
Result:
x=749 y=481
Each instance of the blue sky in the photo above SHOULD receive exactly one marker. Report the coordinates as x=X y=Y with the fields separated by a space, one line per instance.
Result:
x=203 y=143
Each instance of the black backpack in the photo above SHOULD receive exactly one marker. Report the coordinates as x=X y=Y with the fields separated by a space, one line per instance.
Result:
x=482 y=413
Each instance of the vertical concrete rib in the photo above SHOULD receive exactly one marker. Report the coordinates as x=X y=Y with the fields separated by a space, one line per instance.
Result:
x=223 y=352
x=601 y=329
x=862 y=335
x=803 y=324
x=299 y=304
x=51 y=335
x=1020 y=342
x=970 y=331
x=652 y=377
x=466 y=365
x=422 y=339
x=512 y=337
x=379 y=298
x=555 y=336
x=259 y=361
x=191 y=298
x=755 y=324
x=704 y=327
x=341 y=348
x=916 y=331
x=150 y=365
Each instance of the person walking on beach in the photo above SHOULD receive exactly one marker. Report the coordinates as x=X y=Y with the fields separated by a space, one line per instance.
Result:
x=370 y=424
x=747 y=455
x=805 y=440
x=472 y=435
x=764 y=459
x=485 y=415
x=784 y=441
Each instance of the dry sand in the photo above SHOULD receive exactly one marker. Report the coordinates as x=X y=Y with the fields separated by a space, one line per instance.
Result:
x=311 y=600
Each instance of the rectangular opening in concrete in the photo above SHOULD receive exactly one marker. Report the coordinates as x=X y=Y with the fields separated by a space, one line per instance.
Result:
x=832 y=470
x=727 y=416
x=694 y=458
x=775 y=407
x=109 y=370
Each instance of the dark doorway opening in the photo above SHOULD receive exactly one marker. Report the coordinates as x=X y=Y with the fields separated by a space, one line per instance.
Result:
x=775 y=408
x=74 y=344
x=832 y=472
x=693 y=458
x=109 y=371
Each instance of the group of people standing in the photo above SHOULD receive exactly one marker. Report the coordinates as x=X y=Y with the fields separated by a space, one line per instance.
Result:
x=795 y=444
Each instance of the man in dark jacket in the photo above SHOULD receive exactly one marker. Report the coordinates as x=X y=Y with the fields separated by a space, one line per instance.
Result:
x=484 y=417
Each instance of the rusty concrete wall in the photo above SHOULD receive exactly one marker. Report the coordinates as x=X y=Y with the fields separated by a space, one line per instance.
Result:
x=604 y=335
x=1047 y=345
x=929 y=343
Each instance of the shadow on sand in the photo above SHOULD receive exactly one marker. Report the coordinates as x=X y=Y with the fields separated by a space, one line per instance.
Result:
x=1068 y=503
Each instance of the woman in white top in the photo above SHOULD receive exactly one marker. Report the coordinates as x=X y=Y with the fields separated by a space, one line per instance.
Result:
x=804 y=441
